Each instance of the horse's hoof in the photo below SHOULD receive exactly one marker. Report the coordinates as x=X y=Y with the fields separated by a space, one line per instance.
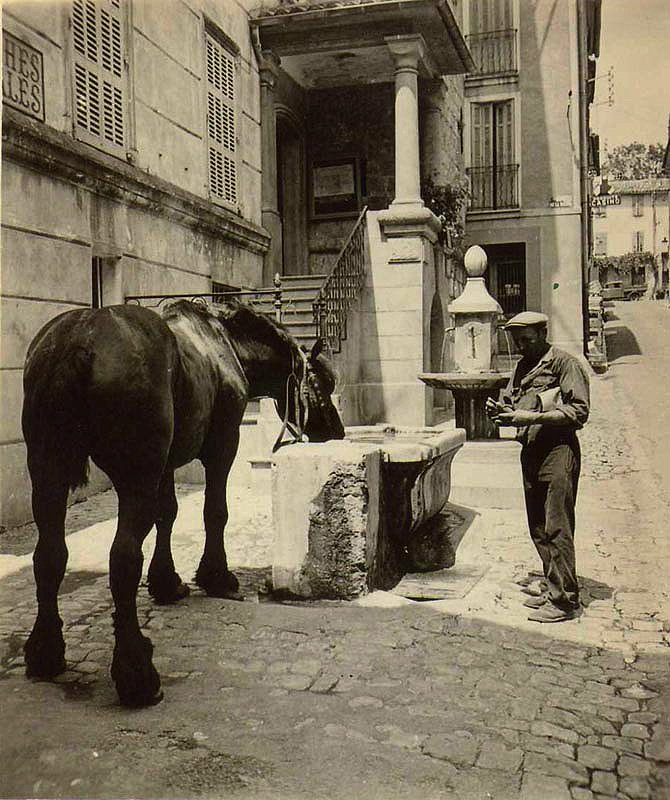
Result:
x=136 y=679
x=170 y=592
x=218 y=583
x=44 y=652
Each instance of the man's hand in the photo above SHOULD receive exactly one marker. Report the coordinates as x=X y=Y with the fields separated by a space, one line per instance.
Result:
x=517 y=419
x=494 y=408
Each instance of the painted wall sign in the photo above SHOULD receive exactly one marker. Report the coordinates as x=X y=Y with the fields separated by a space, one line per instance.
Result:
x=22 y=77
x=561 y=201
x=606 y=200
x=335 y=187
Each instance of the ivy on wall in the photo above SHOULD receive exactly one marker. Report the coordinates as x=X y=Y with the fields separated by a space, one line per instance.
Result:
x=624 y=265
x=447 y=203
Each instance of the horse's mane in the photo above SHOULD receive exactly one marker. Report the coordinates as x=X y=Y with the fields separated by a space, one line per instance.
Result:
x=240 y=320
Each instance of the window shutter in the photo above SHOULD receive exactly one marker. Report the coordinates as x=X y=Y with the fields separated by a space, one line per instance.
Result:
x=99 y=80
x=504 y=133
x=482 y=151
x=221 y=127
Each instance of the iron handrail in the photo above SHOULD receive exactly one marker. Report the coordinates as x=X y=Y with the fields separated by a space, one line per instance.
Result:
x=275 y=292
x=341 y=288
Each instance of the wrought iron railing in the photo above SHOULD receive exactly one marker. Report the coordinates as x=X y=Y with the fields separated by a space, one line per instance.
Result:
x=494 y=187
x=494 y=52
x=266 y=300
x=341 y=288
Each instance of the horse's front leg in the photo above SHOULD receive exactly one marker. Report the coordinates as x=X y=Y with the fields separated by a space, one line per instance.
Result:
x=165 y=585
x=133 y=672
x=213 y=574
x=45 y=648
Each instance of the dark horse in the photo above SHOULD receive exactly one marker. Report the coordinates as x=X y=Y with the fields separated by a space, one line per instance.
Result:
x=142 y=394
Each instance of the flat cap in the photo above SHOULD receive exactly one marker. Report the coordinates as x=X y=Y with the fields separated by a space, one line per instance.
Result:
x=526 y=318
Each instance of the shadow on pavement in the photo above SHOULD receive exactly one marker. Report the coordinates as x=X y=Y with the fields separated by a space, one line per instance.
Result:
x=621 y=341
x=589 y=588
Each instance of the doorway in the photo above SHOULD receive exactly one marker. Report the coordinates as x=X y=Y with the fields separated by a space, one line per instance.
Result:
x=291 y=193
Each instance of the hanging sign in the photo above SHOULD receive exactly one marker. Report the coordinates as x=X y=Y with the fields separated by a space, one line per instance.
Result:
x=606 y=200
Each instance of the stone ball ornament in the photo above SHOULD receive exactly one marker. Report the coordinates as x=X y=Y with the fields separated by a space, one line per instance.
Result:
x=475 y=261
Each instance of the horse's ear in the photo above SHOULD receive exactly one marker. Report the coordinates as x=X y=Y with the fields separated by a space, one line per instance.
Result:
x=317 y=349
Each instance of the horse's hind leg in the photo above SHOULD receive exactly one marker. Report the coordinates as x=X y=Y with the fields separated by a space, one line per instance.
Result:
x=133 y=672
x=165 y=585
x=45 y=648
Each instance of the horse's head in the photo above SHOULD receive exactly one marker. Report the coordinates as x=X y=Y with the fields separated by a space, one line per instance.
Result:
x=307 y=407
x=322 y=421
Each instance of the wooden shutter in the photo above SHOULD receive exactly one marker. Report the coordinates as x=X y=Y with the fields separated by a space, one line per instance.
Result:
x=99 y=79
x=221 y=127
x=490 y=15
x=505 y=133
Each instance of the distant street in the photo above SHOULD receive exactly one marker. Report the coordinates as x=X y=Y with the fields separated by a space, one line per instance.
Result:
x=639 y=357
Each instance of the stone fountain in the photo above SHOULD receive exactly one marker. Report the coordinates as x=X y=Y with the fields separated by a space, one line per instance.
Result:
x=475 y=322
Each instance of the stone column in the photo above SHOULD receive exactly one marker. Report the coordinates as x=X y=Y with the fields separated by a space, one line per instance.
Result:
x=407 y=51
x=272 y=263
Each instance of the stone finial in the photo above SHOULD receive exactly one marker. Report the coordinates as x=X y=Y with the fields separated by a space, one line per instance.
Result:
x=475 y=261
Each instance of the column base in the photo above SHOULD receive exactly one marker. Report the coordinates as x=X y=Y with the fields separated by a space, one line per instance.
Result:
x=409 y=218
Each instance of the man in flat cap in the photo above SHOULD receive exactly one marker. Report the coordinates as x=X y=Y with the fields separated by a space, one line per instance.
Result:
x=547 y=400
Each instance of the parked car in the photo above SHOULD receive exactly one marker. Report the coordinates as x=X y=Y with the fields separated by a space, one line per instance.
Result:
x=634 y=292
x=613 y=291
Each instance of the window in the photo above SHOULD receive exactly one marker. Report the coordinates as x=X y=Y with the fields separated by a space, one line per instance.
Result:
x=96 y=282
x=638 y=241
x=600 y=244
x=493 y=173
x=638 y=205
x=99 y=79
x=221 y=120
x=492 y=39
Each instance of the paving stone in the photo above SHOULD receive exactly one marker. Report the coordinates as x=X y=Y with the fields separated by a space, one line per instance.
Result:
x=604 y=783
x=569 y=770
x=494 y=755
x=639 y=692
x=598 y=724
x=658 y=749
x=623 y=745
x=637 y=788
x=459 y=747
x=323 y=684
x=566 y=719
x=643 y=717
x=596 y=757
x=633 y=767
x=399 y=738
x=543 y=787
x=555 y=731
x=547 y=746
x=579 y=793
x=297 y=683
x=365 y=701
x=635 y=730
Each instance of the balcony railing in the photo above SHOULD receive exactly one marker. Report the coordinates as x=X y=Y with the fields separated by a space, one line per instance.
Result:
x=494 y=52
x=494 y=187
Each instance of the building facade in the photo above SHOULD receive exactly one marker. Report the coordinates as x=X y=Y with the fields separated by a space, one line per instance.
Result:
x=526 y=133
x=633 y=217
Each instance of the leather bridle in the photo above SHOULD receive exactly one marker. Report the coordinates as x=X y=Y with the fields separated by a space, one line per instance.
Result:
x=301 y=404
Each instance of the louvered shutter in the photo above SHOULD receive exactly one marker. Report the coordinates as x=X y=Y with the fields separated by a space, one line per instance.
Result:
x=482 y=155
x=504 y=133
x=99 y=79
x=221 y=127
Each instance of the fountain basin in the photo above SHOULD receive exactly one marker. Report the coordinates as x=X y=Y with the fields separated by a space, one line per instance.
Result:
x=470 y=390
x=355 y=515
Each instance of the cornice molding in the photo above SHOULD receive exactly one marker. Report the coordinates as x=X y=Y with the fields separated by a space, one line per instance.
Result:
x=36 y=145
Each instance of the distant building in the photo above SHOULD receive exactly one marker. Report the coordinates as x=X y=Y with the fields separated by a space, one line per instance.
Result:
x=633 y=217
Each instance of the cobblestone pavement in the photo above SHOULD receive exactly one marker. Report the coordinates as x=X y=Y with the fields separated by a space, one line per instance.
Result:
x=460 y=698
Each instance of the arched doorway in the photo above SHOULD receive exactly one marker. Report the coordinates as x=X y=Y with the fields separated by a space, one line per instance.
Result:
x=291 y=193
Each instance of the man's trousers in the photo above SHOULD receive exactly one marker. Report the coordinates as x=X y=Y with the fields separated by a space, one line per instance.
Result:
x=550 y=477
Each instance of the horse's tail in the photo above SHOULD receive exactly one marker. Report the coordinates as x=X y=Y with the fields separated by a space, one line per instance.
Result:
x=55 y=411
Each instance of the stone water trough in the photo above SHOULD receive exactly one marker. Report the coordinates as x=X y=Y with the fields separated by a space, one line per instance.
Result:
x=356 y=515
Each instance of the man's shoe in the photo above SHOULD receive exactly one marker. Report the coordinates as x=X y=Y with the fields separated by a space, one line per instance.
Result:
x=551 y=613
x=536 y=601
x=535 y=589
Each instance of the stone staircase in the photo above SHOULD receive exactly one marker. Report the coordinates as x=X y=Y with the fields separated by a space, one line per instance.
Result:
x=298 y=294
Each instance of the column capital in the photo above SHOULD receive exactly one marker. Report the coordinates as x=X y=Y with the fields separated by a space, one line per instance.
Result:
x=268 y=68
x=407 y=50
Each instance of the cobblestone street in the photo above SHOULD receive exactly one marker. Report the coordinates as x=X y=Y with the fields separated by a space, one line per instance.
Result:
x=385 y=697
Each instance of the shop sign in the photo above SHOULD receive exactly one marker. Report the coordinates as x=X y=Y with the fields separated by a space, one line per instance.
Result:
x=22 y=76
x=606 y=200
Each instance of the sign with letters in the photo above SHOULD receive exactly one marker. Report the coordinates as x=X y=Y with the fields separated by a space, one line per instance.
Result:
x=335 y=187
x=22 y=76
x=600 y=200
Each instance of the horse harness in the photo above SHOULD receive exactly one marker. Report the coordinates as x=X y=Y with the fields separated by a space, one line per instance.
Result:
x=301 y=404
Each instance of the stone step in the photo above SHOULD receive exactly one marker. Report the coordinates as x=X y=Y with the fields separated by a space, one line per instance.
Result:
x=487 y=474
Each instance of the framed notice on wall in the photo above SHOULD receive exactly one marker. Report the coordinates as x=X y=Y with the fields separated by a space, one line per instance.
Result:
x=335 y=187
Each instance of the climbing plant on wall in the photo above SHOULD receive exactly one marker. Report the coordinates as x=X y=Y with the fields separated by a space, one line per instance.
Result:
x=447 y=202
x=624 y=265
